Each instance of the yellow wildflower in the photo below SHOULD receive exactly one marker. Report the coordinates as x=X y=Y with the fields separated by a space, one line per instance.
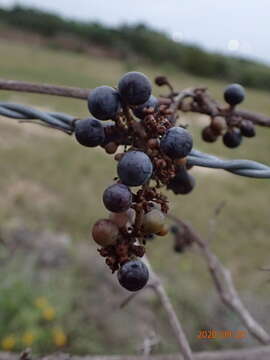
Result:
x=59 y=337
x=48 y=313
x=28 y=338
x=41 y=302
x=8 y=342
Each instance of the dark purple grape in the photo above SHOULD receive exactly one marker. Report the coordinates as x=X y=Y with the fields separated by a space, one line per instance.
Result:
x=133 y=275
x=139 y=111
x=234 y=94
x=104 y=102
x=176 y=143
x=247 y=128
x=209 y=135
x=232 y=138
x=183 y=183
x=134 y=88
x=117 y=198
x=89 y=132
x=134 y=168
x=161 y=80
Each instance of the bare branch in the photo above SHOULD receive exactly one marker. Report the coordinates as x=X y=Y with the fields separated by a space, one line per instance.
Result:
x=225 y=286
x=24 y=86
x=26 y=355
x=176 y=326
x=258 y=119
x=207 y=106
x=204 y=104
x=156 y=285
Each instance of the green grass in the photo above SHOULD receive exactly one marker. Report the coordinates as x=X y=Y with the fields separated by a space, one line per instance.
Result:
x=49 y=182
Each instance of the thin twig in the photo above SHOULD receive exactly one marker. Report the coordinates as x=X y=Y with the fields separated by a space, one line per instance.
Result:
x=203 y=103
x=26 y=355
x=130 y=297
x=224 y=284
x=156 y=285
x=176 y=326
x=23 y=86
x=178 y=100
x=264 y=269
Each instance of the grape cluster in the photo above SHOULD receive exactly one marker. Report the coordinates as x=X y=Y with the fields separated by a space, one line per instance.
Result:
x=232 y=128
x=150 y=151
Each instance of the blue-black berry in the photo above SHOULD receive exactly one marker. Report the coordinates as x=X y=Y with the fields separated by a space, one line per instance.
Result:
x=134 y=88
x=89 y=132
x=176 y=143
x=104 y=102
x=139 y=111
x=209 y=135
x=117 y=198
x=183 y=183
x=133 y=275
x=234 y=94
x=134 y=168
x=247 y=128
x=232 y=138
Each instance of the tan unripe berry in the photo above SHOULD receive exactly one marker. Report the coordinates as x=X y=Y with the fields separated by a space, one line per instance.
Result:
x=105 y=232
x=153 y=221
x=218 y=125
x=164 y=231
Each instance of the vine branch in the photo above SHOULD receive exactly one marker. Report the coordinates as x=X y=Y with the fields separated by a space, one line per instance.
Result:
x=176 y=326
x=48 y=89
x=204 y=104
x=224 y=284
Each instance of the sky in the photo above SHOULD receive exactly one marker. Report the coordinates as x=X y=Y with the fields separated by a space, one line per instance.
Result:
x=234 y=27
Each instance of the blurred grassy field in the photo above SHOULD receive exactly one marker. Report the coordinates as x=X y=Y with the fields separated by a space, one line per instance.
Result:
x=48 y=182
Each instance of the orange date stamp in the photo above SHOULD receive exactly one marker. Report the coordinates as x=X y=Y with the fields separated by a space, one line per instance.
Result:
x=222 y=334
